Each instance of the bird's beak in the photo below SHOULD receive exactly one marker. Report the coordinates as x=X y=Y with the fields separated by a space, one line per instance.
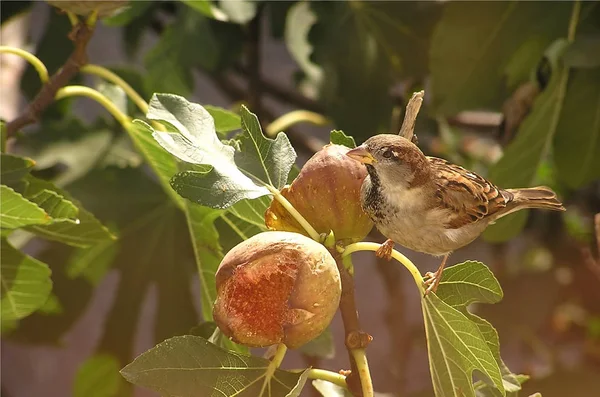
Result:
x=361 y=154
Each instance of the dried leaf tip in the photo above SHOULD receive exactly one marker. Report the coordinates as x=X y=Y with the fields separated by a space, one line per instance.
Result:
x=410 y=116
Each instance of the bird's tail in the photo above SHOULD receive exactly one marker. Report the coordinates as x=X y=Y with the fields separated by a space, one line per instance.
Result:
x=535 y=197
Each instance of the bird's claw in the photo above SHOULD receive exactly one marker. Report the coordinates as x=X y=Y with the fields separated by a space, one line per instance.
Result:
x=432 y=281
x=385 y=250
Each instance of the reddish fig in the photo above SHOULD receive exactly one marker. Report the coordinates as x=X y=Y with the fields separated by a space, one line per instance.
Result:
x=327 y=194
x=276 y=287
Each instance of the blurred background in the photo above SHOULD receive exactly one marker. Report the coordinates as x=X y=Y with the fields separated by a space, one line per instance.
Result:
x=512 y=91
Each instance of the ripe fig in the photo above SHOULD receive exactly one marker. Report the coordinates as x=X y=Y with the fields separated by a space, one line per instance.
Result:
x=327 y=194
x=85 y=7
x=276 y=287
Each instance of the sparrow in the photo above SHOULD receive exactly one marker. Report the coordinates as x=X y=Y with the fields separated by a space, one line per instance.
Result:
x=432 y=206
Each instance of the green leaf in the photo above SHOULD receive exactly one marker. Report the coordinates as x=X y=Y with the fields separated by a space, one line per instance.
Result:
x=222 y=183
x=55 y=205
x=186 y=43
x=458 y=341
x=522 y=157
x=87 y=231
x=225 y=120
x=92 y=263
x=207 y=8
x=584 y=52
x=577 y=138
x=252 y=211
x=266 y=160
x=16 y=211
x=98 y=376
x=338 y=137
x=489 y=33
x=207 y=251
x=163 y=164
x=127 y=14
x=386 y=41
x=241 y=11
x=13 y=168
x=190 y=366
x=25 y=283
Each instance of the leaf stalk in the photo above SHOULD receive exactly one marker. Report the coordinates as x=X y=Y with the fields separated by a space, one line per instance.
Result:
x=29 y=57
x=79 y=90
x=294 y=212
x=328 y=376
x=366 y=246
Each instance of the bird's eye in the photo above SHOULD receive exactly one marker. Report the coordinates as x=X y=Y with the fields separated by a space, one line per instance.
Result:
x=387 y=154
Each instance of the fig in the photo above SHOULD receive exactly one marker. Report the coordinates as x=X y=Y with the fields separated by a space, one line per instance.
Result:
x=276 y=287
x=327 y=193
x=85 y=7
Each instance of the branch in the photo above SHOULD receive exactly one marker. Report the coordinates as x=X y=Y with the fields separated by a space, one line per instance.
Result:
x=410 y=116
x=81 y=35
x=356 y=340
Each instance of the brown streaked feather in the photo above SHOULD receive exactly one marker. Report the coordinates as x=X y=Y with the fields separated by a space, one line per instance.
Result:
x=470 y=196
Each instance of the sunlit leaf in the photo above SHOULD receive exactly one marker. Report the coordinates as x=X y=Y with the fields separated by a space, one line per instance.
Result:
x=189 y=366
x=241 y=11
x=338 y=137
x=16 y=211
x=458 y=341
x=25 y=283
x=225 y=120
x=14 y=168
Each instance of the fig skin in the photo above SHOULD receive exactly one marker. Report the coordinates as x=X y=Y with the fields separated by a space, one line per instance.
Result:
x=327 y=194
x=85 y=7
x=276 y=287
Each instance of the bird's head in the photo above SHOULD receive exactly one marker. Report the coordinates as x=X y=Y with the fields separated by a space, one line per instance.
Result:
x=392 y=159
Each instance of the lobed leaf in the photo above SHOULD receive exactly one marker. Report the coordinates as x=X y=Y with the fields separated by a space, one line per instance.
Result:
x=459 y=342
x=338 y=137
x=25 y=283
x=190 y=366
x=16 y=211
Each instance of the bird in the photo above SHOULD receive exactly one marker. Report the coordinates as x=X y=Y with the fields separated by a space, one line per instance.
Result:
x=430 y=205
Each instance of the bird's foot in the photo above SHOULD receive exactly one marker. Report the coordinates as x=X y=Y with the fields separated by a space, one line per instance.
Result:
x=385 y=251
x=432 y=281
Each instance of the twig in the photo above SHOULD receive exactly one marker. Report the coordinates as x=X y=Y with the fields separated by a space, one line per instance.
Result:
x=235 y=92
x=356 y=339
x=81 y=35
x=282 y=93
x=410 y=115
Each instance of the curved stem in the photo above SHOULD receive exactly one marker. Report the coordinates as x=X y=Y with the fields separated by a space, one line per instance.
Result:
x=273 y=365
x=106 y=74
x=78 y=90
x=364 y=246
x=72 y=18
x=329 y=376
x=29 y=57
x=360 y=358
x=297 y=116
x=294 y=212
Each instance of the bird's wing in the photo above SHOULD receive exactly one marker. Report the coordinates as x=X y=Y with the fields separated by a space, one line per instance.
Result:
x=467 y=195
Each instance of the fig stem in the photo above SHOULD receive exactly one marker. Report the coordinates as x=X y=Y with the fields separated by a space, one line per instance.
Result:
x=329 y=376
x=79 y=90
x=365 y=246
x=360 y=358
x=273 y=365
x=37 y=64
x=297 y=116
x=294 y=212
